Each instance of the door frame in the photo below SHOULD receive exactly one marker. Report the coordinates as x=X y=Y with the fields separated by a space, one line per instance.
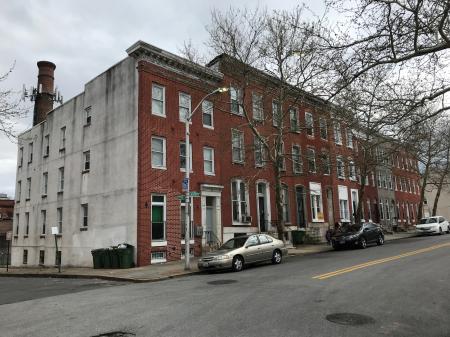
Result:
x=305 y=220
x=266 y=203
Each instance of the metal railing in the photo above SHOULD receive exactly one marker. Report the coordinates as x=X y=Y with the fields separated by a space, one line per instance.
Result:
x=212 y=240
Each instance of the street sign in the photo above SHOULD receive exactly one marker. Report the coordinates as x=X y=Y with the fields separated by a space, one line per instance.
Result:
x=194 y=194
x=181 y=197
x=55 y=231
x=185 y=184
x=8 y=236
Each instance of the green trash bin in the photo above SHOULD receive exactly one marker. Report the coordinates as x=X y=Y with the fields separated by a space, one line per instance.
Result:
x=298 y=237
x=97 y=258
x=126 y=255
x=114 y=257
x=106 y=258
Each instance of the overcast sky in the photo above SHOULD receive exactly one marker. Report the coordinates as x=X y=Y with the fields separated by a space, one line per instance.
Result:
x=84 y=38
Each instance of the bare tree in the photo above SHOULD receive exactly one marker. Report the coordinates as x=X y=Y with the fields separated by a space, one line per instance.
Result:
x=275 y=52
x=10 y=109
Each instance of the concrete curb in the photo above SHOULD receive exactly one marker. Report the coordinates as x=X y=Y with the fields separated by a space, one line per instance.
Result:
x=154 y=279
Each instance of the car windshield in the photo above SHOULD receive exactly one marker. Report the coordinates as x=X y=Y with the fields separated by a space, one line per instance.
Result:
x=234 y=243
x=350 y=228
x=428 y=220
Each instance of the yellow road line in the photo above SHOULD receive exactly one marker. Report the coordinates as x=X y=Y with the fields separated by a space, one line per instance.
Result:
x=379 y=261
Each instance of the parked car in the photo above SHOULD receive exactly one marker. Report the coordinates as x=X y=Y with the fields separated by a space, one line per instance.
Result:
x=433 y=225
x=357 y=235
x=243 y=250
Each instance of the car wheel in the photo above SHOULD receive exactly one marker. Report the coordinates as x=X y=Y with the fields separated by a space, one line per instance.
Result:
x=440 y=231
x=448 y=229
x=238 y=263
x=276 y=257
x=380 y=240
x=363 y=243
x=335 y=246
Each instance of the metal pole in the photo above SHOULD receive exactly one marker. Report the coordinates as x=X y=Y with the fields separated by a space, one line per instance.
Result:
x=56 y=255
x=187 y=207
x=7 y=256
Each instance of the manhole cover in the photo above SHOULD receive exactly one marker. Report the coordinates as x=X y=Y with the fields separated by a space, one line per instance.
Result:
x=218 y=282
x=116 y=334
x=346 y=318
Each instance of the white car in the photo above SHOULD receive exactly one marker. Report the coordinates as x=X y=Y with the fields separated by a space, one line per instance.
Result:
x=433 y=225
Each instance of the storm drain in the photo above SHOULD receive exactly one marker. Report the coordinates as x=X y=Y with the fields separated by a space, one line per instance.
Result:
x=346 y=318
x=116 y=334
x=219 y=282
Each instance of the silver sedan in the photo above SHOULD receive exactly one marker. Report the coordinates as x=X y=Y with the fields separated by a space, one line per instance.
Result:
x=237 y=252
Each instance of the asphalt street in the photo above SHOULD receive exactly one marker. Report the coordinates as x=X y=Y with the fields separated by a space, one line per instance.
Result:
x=399 y=289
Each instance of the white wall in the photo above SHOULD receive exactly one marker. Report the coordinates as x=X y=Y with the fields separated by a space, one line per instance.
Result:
x=109 y=188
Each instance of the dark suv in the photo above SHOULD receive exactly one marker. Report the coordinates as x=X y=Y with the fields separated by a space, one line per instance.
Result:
x=357 y=235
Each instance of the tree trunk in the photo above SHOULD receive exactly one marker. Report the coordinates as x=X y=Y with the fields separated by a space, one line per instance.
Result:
x=279 y=202
x=422 y=190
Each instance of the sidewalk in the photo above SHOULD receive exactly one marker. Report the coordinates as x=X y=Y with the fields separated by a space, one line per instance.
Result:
x=156 y=272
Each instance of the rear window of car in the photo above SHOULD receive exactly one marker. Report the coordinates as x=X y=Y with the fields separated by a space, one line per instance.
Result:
x=263 y=239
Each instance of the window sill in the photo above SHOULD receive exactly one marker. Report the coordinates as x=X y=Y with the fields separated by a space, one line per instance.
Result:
x=27 y=199
x=16 y=236
x=239 y=162
x=30 y=162
x=159 y=168
x=44 y=196
x=42 y=236
x=244 y=224
x=341 y=178
x=83 y=229
x=60 y=192
x=183 y=242
x=158 y=261
x=208 y=127
x=85 y=171
x=159 y=243
x=340 y=144
x=317 y=221
x=86 y=125
x=58 y=235
x=210 y=174
x=45 y=155
x=63 y=149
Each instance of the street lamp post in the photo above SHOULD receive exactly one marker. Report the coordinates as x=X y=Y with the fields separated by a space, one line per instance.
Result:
x=187 y=198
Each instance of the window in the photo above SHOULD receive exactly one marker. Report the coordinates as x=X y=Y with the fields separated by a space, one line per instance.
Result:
x=311 y=157
x=343 y=204
x=349 y=137
x=239 y=200
x=46 y=149
x=236 y=101
x=379 y=179
x=277 y=117
x=84 y=214
x=297 y=163
x=25 y=256
x=351 y=170
x=20 y=157
x=41 y=257
x=44 y=184
x=281 y=158
x=183 y=219
x=17 y=222
x=323 y=128
x=389 y=181
x=59 y=217
x=260 y=152
x=293 y=118
x=337 y=133
x=87 y=160
x=61 y=179
x=28 y=189
x=158 y=100
x=158 y=217
x=316 y=202
x=258 y=107
x=27 y=223
x=158 y=257
x=309 y=121
x=285 y=203
x=43 y=222
x=184 y=106
x=326 y=167
x=58 y=258
x=87 y=116
x=208 y=118
x=19 y=190
x=387 y=210
x=183 y=157
x=158 y=152
x=381 y=209
x=208 y=160
x=355 y=201
x=340 y=168
x=62 y=138
x=30 y=153
x=237 y=146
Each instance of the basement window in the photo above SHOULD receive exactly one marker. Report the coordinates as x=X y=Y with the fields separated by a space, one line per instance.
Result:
x=158 y=257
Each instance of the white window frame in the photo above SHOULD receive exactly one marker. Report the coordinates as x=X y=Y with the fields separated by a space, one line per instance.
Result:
x=294 y=118
x=87 y=116
x=340 y=166
x=184 y=109
x=208 y=109
x=315 y=191
x=158 y=257
x=297 y=162
x=163 y=100
x=259 y=151
x=183 y=167
x=84 y=215
x=311 y=154
x=161 y=166
x=59 y=219
x=344 y=211
x=323 y=126
x=325 y=156
x=61 y=179
x=351 y=170
x=337 y=133
x=309 y=124
x=205 y=160
x=276 y=113
x=239 y=182
x=164 y=205
x=236 y=101
x=86 y=161
x=44 y=183
x=237 y=138
x=258 y=106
